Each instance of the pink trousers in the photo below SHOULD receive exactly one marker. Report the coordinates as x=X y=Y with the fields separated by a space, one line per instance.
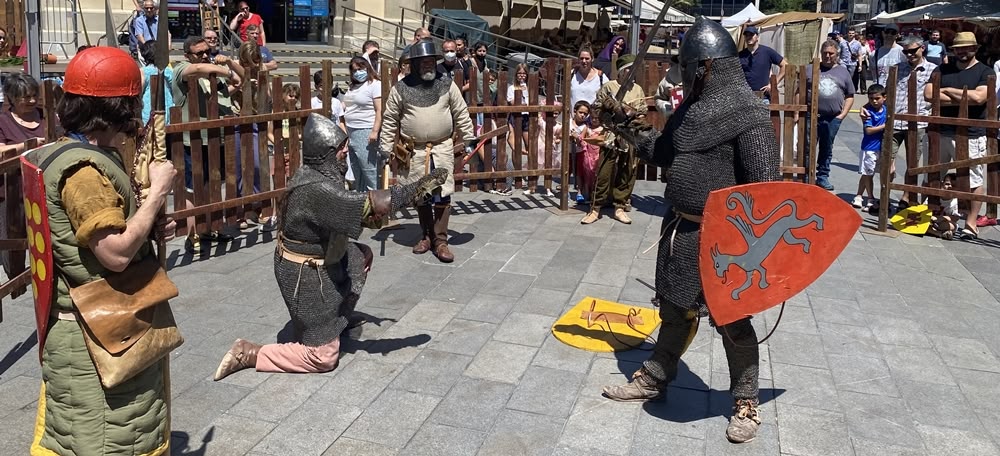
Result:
x=298 y=358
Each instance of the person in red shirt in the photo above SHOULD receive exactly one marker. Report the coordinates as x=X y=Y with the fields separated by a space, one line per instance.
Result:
x=245 y=19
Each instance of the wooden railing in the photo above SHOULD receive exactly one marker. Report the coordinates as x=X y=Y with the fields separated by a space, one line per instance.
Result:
x=935 y=167
x=531 y=159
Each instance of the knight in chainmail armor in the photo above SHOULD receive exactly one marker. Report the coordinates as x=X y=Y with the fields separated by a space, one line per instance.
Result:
x=421 y=115
x=719 y=137
x=319 y=271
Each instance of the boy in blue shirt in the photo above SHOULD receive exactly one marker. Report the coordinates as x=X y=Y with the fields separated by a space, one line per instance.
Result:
x=871 y=145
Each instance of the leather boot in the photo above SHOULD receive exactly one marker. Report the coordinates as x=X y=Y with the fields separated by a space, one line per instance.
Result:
x=643 y=387
x=426 y=216
x=441 y=215
x=242 y=355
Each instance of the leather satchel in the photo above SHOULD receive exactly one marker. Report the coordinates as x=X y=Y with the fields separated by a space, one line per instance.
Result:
x=402 y=151
x=126 y=319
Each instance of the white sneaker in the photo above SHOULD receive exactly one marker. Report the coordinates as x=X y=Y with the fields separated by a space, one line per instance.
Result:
x=859 y=202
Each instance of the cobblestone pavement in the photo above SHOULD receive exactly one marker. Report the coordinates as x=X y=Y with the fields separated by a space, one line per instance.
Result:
x=893 y=351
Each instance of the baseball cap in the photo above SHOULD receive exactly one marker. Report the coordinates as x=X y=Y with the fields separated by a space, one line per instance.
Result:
x=751 y=29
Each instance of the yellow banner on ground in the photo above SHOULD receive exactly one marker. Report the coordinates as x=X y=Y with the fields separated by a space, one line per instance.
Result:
x=605 y=326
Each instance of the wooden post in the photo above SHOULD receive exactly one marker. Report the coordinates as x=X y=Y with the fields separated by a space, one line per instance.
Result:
x=567 y=119
x=885 y=158
x=813 y=150
x=934 y=139
x=992 y=169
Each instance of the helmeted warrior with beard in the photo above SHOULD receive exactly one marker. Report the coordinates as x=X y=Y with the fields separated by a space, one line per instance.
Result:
x=719 y=137
x=421 y=115
x=319 y=272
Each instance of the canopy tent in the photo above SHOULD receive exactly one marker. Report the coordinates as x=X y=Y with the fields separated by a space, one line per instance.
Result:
x=651 y=10
x=455 y=23
x=964 y=10
x=891 y=18
x=748 y=14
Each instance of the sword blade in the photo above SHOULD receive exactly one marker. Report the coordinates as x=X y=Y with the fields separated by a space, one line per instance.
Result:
x=641 y=55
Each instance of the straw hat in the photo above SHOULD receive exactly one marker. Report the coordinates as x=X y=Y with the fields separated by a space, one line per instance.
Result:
x=964 y=39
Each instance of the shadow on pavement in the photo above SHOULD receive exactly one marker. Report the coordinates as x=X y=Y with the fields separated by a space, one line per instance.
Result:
x=18 y=352
x=180 y=441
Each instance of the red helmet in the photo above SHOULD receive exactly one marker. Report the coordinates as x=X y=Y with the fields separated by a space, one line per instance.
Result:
x=103 y=72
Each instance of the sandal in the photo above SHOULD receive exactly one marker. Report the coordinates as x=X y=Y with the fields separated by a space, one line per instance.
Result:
x=968 y=234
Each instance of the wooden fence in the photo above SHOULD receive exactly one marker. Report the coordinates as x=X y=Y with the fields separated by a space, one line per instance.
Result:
x=211 y=207
x=533 y=159
x=789 y=116
x=12 y=19
x=935 y=167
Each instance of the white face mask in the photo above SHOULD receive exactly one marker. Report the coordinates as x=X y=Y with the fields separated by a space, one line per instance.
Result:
x=450 y=56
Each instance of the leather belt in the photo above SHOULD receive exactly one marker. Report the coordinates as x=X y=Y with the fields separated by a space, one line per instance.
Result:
x=688 y=217
x=298 y=258
x=428 y=146
x=63 y=315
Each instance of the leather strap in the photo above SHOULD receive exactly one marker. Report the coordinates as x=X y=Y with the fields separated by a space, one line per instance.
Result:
x=65 y=316
x=688 y=217
x=298 y=258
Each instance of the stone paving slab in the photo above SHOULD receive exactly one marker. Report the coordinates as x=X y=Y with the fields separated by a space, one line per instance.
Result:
x=894 y=351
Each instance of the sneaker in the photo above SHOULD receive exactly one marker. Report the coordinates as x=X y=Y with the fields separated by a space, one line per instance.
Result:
x=591 y=217
x=745 y=422
x=642 y=388
x=985 y=221
x=580 y=199
x=824 y=183
x=859 y=202
x=622 y=216
x=504 y=192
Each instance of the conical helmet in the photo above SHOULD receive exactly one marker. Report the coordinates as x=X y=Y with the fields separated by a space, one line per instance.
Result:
x=321 y=137
x=706 y=39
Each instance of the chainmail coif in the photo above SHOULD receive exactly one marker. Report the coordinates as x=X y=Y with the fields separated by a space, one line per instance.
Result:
x=421 y=93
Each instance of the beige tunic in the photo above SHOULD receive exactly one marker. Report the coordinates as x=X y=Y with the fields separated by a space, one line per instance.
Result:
x=429 y=116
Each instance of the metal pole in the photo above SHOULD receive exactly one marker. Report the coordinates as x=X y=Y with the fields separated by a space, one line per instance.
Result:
x=34 y=45
x=109 y=25
x=634 y=28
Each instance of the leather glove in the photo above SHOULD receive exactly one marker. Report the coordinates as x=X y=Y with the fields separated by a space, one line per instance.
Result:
x=471 y=146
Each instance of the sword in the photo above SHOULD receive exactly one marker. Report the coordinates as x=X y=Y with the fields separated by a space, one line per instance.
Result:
x=630 y=79
x=643 y=49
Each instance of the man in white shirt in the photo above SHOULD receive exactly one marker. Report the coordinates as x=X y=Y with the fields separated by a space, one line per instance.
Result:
x=888 y=55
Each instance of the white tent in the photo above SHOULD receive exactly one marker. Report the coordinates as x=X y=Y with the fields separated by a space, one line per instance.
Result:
x=748 y=14
x=651 y=10
x=891 y=18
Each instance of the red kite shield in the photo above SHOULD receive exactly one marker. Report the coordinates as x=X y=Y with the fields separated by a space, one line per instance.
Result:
x=763 y=243
x=36 y=214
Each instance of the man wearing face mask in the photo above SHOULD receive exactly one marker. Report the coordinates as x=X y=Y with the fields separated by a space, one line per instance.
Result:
x=319 y=272
x=740 y=149
x=423 y=110
x=452 y=64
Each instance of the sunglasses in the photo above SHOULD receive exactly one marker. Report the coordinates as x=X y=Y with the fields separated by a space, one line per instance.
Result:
x=211 y=38
x=911 y=51
x=205 y=52
x=245 y=8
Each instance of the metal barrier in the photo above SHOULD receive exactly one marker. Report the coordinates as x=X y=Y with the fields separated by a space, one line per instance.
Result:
x=59 y=26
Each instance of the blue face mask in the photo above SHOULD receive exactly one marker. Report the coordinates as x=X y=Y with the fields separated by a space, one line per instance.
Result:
x=361 y=75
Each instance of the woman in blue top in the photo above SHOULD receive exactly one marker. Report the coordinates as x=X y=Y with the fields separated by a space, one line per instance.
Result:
x=148 y=52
